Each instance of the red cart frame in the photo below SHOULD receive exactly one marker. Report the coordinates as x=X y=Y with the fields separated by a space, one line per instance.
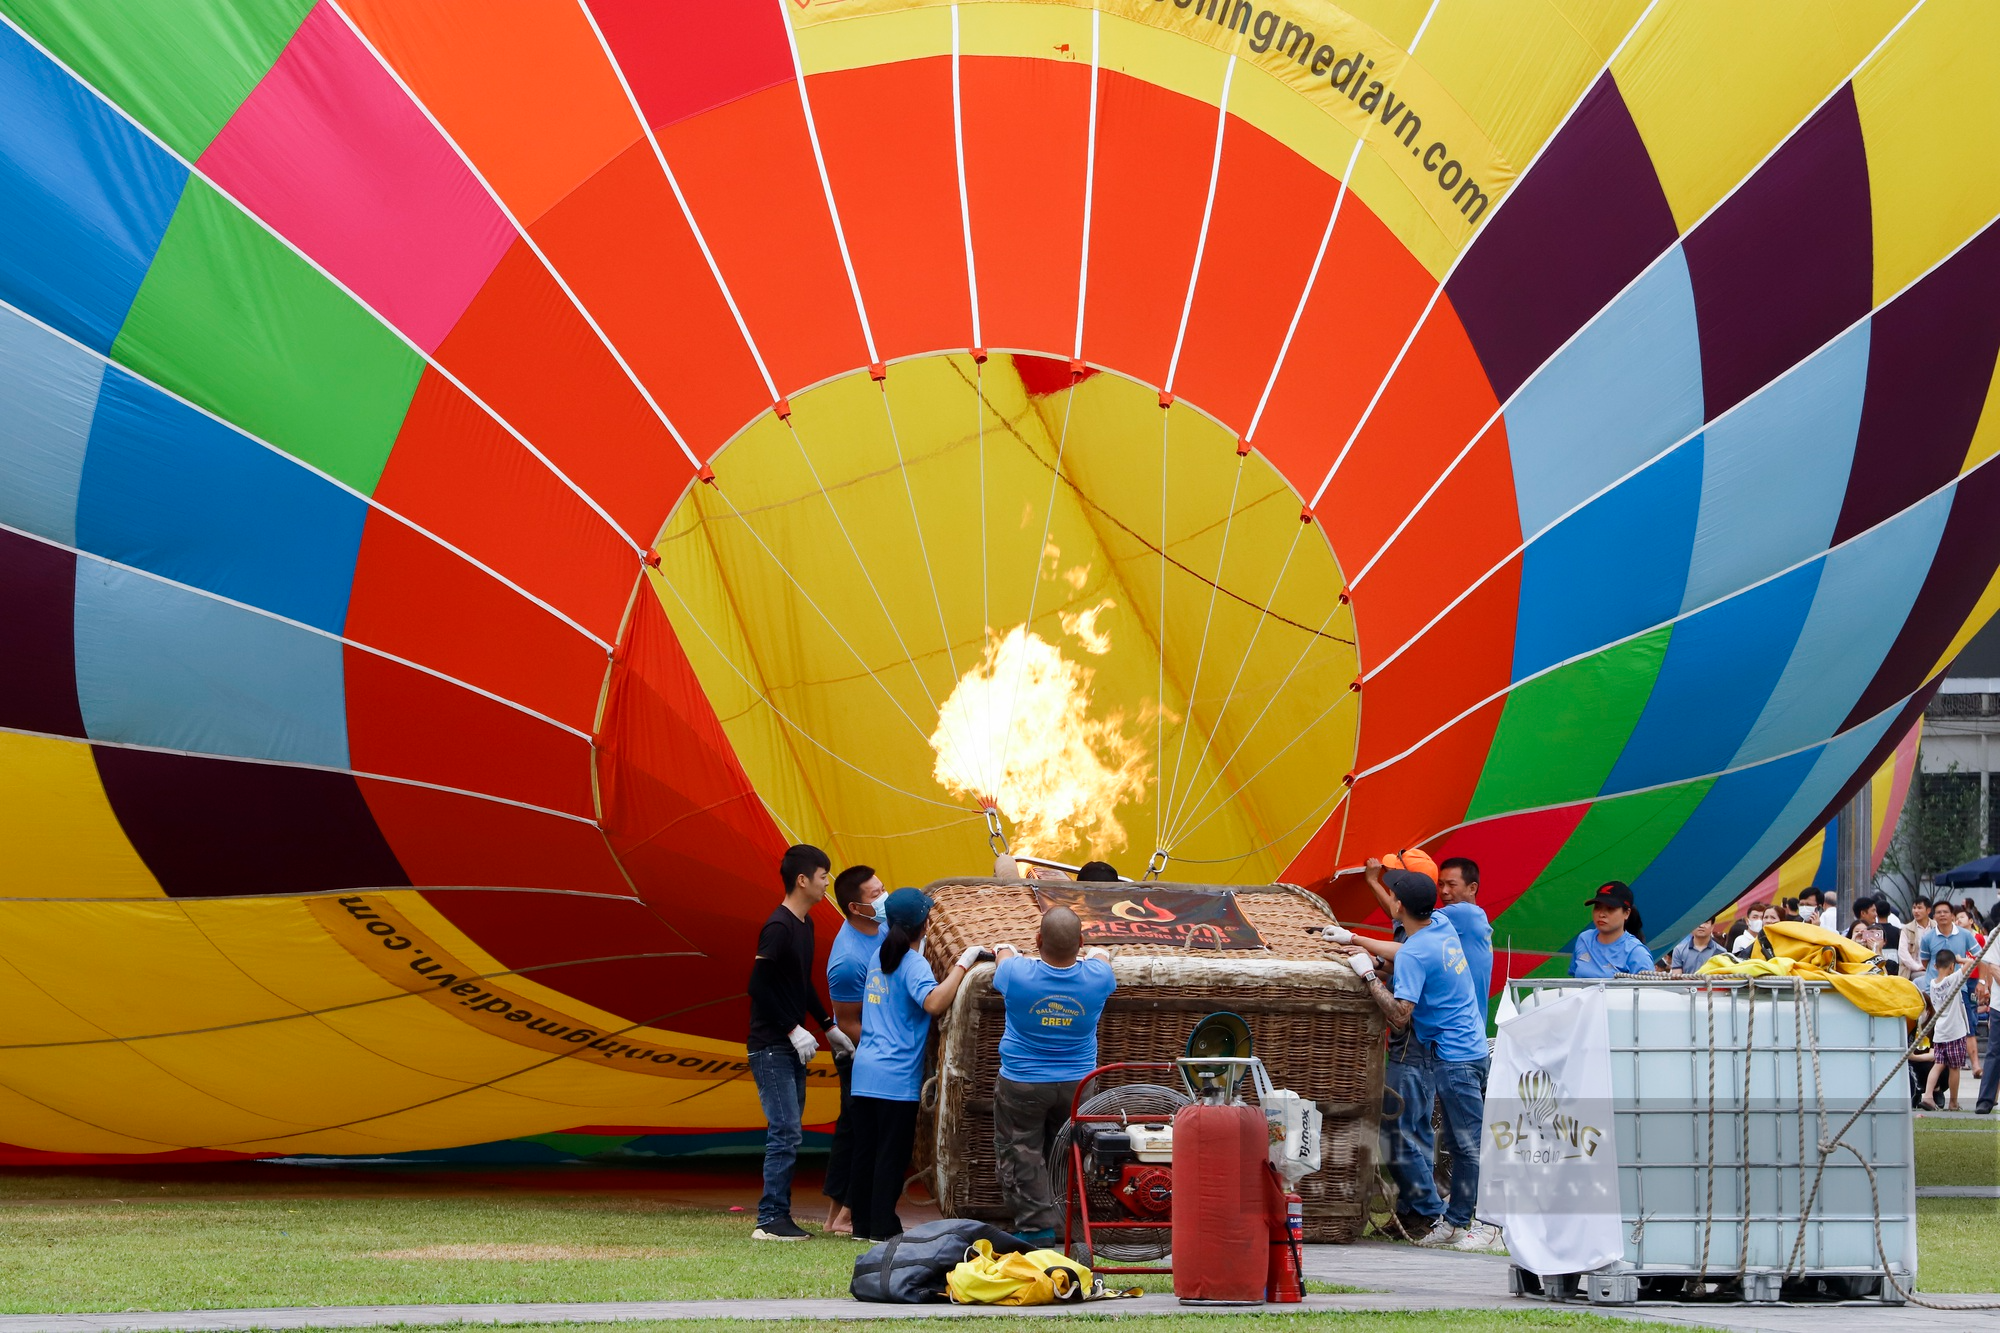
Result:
x=1077 y=1203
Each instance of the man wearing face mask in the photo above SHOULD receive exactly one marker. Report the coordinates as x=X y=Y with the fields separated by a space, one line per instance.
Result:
x=858 y=893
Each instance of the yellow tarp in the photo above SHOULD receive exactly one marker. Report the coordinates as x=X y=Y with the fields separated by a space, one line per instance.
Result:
x=1816 y=954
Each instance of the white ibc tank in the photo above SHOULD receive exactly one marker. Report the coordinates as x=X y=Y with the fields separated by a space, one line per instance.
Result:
x=1682 y=1159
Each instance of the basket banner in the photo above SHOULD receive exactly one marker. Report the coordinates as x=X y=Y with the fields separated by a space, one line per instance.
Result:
x=1548 y=1159
x=1140 y=915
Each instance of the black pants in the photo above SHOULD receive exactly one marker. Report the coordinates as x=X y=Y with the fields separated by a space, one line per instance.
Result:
x=883 y=1134
x=840 y=1161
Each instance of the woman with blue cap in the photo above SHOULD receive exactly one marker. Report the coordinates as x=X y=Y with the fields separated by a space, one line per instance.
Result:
x=901 y=997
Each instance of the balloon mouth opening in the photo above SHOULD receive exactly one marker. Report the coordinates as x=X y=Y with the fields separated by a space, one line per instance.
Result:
x=969 y=602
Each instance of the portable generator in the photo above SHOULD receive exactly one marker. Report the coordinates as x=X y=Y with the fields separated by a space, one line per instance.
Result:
x=1133 y=1165
x=1115 y=1159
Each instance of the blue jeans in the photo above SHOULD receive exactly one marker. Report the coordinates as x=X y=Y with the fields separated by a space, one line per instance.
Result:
x=1990 y=1082
x=1460 y=1087
x=781 y=1087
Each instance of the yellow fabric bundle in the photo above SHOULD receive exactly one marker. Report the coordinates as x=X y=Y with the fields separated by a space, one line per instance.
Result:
x=1039 y=1277
x=1795 y=949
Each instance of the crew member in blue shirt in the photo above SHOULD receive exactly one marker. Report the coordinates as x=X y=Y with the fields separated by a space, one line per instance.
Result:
x=900 y=998
x=858 y=893
x=1607 y=949
x=1458 y=903
x=1433 y=996
x=1053 y=1003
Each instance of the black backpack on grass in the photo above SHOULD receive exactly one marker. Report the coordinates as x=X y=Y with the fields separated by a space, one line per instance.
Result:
x=910 y=1270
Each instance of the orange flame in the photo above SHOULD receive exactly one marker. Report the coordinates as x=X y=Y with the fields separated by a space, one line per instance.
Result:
x=1017 y=734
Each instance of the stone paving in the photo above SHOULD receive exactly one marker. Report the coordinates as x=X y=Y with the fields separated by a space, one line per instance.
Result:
x=1398 y=1277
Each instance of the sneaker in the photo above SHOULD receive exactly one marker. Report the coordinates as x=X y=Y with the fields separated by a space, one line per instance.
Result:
x=1042 y=1240
x=1481 y=1238
x=1404 y=1226
x=782 y=1229
x=1441 y=1235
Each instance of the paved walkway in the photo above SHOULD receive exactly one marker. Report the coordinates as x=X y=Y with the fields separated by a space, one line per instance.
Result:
x=1398 y=1277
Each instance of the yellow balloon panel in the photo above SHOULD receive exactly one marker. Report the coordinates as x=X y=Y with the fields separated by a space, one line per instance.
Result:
x=1930 y=107
x=266 y=1025
x=62 y=839
x=1715 y=85
x=1083 y=557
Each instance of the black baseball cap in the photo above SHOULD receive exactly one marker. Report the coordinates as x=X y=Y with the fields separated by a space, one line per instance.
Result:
x=1617 y=893
x=1416 y=891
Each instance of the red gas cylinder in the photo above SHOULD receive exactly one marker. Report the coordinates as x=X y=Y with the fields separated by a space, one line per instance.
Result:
x=1221 y=1221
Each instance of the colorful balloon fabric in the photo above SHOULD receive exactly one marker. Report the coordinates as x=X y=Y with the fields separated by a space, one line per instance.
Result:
x=1816 y=864
x=479 y=479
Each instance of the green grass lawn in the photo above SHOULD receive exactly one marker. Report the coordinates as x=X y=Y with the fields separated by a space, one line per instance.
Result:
x=262 y=1236
x=1462 y=1321
x=187 y=1253
x=1958 y=1152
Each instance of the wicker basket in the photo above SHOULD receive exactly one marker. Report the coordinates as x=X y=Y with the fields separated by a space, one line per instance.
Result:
x=1316 y=1030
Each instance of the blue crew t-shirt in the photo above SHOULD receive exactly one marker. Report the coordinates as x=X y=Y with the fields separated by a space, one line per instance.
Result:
x=1431 y=971
x=847 y=964
x=889 y=1062
x=1052 y=1016
x=1475 y=936
x=1592 y=957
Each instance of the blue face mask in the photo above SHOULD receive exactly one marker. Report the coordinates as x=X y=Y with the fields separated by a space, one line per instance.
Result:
x=881 y=906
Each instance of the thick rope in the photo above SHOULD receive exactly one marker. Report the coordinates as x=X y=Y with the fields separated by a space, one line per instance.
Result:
x=1799 y=1087
x=1743 y=1161
x=1708 y=1177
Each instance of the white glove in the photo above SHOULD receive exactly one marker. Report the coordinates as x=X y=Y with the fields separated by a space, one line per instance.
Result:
x=1099 y=952
x=1004 y=950
x=803 y=1043
x=842 y=1043
x=1363 y=964
x=1338 y=934
x=970 y=956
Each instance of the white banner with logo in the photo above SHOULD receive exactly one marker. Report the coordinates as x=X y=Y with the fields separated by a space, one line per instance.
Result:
x=1548 y=1165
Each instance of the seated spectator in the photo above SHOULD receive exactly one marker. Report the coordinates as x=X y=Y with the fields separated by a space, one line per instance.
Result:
x=1606 y=948
x=1759 y=915
x=1696 y=948
x=1866 y=929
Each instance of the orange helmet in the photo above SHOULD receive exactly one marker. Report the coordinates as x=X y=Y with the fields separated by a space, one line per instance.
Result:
x=1413 y=858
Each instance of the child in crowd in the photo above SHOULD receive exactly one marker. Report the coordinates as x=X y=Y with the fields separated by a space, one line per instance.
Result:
x=1952 y=1032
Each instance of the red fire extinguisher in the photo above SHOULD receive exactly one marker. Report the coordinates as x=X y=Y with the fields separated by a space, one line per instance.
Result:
x=1284 y=1281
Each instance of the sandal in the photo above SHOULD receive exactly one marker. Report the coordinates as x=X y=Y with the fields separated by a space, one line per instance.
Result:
x=1928 y=1105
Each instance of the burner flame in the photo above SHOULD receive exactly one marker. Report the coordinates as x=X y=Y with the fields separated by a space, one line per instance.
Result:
x=1016 y=735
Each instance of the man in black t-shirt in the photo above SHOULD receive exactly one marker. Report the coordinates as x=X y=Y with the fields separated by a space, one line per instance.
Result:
x=781 y=996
